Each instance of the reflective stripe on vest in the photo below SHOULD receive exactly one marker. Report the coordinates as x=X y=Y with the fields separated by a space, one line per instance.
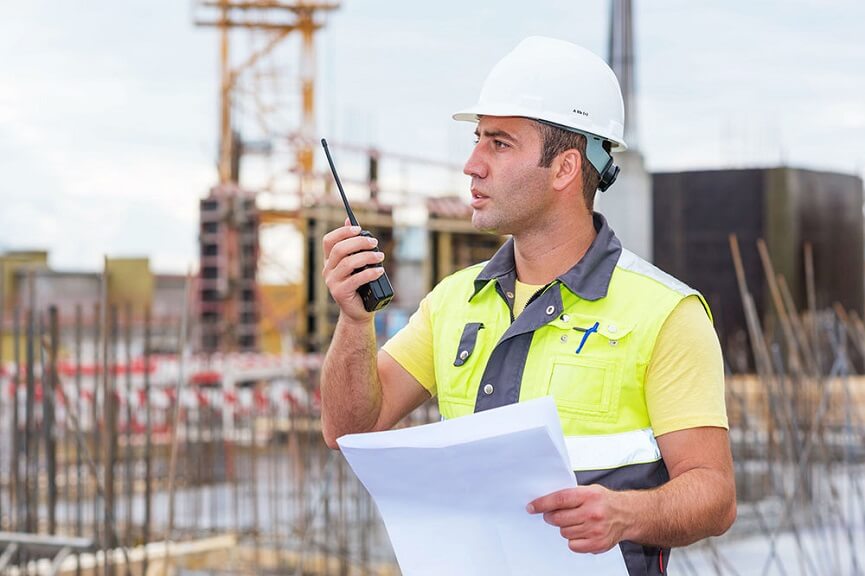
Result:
x=606 y=451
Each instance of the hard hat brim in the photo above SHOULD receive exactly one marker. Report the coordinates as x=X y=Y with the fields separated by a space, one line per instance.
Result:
x=474 y=113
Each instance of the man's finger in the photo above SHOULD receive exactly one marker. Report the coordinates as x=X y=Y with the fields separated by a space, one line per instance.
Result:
x=567 y=498
x=349 y=265
x=347 y=247
x=565 y=517
x=334 y=236
x=575 y=532
x=589 y=545
x=363 y=277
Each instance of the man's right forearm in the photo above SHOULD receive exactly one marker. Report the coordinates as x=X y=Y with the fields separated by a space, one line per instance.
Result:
x=350 y=387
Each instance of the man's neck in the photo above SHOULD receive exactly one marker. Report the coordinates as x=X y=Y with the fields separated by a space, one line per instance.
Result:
x=541 y=256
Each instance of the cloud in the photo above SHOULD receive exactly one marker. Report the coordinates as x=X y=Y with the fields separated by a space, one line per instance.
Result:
x=108 y=112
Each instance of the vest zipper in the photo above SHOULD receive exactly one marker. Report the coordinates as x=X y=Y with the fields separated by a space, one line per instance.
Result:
x=533 y=298
x=529 y=301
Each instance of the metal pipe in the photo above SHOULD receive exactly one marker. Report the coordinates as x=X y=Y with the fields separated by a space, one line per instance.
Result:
x=79 y=401
x=109 y=405
x=49 y=384
x=63 y=438
x=3 y=372
x=128 y=453
x=30 y=458
x=94 y=410
x=8 y=552
x=148 y=440
x=15 y=499
x=181 y=376
x=45 y=542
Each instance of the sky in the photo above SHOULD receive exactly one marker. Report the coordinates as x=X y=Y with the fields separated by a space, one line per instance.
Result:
x=108 y=110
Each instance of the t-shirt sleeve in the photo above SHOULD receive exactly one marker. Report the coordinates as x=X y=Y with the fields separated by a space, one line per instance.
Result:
x=685 y=378
x=412 y=348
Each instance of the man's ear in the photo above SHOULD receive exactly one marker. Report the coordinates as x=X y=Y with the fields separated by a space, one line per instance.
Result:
x=567 y=169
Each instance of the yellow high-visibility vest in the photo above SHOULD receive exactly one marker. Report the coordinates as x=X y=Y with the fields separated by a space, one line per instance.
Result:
x=591 y=356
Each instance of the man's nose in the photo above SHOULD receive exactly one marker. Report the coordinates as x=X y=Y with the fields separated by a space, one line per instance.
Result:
x=475 y=165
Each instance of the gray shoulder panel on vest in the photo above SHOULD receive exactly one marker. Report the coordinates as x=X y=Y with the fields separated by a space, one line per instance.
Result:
x=633 y=263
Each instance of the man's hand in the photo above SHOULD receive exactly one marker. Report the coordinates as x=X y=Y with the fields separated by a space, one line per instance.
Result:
x=589 y=517
x=344 y=252
x=699 y=500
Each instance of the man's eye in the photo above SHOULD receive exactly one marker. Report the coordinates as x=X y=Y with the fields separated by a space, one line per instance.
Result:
x=500 y=145
x=476 y=138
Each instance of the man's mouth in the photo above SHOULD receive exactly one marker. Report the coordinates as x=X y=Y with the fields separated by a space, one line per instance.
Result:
x=478 y=198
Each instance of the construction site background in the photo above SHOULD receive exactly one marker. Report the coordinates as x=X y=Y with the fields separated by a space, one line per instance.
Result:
x=169 y=423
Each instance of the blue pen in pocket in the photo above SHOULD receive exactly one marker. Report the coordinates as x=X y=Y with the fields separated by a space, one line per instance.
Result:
x=586 y=333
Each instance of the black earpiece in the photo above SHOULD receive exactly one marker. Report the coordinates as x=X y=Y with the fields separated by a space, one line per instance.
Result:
x=608 y=175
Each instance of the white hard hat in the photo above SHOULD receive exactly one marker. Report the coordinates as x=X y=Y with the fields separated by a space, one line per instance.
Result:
x=556 y=82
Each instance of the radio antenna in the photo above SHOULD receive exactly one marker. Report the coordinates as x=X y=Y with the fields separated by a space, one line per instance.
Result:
x=351 y=217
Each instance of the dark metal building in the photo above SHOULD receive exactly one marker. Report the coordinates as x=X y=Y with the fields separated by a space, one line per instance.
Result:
x=695 y=212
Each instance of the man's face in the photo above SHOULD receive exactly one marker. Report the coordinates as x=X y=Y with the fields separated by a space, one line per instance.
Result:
x=510 y=191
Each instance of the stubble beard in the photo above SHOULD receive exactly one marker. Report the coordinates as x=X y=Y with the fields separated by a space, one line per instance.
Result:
x=492 y=220
x=511 y=211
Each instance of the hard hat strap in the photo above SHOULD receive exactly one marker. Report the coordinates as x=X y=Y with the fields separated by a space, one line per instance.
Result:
x=602 y=161
x=596 y=154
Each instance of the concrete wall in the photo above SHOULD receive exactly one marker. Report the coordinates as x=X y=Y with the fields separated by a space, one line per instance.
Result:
x=627 y=204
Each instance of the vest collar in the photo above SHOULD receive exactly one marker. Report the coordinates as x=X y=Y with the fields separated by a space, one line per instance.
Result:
x=589 y=278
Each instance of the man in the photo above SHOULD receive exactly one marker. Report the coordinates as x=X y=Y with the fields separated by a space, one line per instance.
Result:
x=627 y=352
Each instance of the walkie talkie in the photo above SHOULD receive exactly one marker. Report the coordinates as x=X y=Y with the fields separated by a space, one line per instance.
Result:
x=378 y=293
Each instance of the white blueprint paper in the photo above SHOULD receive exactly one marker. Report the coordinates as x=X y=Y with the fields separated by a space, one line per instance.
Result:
x=453 y=494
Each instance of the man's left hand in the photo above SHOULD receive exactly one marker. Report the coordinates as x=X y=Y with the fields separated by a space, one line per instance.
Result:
x=591 y=518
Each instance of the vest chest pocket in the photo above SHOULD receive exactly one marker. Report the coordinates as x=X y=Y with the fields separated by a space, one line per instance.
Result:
x=586 y=365
x=585 y=388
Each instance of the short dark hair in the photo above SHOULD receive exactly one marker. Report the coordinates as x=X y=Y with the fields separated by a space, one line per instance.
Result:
x=555 y=140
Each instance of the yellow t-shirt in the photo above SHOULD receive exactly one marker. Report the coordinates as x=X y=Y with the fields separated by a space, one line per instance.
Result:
x=685 y=379
x=522 y=294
